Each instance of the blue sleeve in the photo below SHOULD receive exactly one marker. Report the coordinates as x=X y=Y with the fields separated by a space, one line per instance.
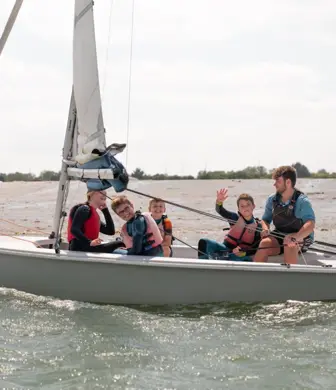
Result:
x=138 y=232
x=268 y=212
x=304 y=209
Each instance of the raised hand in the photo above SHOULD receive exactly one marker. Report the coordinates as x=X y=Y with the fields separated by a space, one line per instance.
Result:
x=222 y=195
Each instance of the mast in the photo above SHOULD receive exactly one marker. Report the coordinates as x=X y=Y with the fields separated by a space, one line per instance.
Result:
x=64 y=178
x=10 y=23
x=85 y=154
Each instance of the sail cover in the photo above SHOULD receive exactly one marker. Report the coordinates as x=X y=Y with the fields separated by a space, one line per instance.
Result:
x=90 y=132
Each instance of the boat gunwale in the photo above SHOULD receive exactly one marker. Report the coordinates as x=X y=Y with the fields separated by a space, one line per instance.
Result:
x=115 y=259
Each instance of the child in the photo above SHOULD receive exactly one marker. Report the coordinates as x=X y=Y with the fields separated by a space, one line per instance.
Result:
x=157 y=208
x=84 y=225
x=140 y=233
x=243 y=238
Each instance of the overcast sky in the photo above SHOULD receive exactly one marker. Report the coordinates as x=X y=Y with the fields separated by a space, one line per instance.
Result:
x=216 y=84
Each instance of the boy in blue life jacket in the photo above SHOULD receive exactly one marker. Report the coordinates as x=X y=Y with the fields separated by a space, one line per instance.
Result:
x=140 y=233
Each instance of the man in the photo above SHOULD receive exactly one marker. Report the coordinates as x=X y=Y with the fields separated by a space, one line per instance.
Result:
x=293 y=217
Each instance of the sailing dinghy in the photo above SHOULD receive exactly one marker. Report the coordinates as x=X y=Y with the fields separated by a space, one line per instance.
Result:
x=44 y=266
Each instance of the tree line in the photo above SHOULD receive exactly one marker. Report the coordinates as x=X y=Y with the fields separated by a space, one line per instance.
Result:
x=19 y=176
x=256 y=172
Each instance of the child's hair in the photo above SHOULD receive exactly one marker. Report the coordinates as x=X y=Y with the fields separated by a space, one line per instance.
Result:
x=245 y=197
x=118 y=201
x=89 y=194
x=154 y=200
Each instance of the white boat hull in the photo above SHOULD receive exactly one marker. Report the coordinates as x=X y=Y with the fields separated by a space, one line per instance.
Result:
x=116 y=279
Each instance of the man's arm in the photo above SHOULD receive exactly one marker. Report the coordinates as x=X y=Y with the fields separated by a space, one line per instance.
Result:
x=306 y=213
x=267 y=217
x=305 y=231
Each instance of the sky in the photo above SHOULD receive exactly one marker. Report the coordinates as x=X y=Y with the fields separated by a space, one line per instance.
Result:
x=216 y=84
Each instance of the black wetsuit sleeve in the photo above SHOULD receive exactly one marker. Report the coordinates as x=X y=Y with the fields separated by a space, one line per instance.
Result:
x=138 y=232
x=108 y=227
x=82 y=214
x=229 y=215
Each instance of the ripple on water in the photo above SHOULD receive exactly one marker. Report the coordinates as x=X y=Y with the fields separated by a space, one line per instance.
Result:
x=52 y=343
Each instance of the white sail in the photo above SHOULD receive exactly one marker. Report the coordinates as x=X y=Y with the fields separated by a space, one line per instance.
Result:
x=90 y=133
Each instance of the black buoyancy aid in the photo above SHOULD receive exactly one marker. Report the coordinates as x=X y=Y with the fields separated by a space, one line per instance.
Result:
x=147 y=242
x=242 y=234
x=283 y=217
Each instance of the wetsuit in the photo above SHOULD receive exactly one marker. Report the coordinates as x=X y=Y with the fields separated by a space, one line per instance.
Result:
x=211 y=248
x=81 y=242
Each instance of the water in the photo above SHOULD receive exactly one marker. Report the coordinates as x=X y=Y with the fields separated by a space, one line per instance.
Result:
x=47 y=343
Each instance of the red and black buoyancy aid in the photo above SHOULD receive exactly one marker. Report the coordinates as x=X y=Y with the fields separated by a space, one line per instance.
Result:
x=91 y=227
x=242 y=234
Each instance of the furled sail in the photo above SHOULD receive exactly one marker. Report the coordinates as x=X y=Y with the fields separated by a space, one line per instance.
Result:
x=90 y=132
x=91 y=160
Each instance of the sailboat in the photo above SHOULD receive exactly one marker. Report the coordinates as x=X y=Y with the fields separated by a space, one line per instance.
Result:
x=44 y=265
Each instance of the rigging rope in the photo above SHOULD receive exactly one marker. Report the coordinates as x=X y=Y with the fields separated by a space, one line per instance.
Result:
x=230 y=221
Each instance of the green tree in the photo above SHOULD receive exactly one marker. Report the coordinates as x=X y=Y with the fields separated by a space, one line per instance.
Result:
x=301 y=170
x=49 y=176
x=138 y=174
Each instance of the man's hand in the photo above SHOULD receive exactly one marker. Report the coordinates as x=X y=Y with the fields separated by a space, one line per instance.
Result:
x=291 y=240
x=264 y=233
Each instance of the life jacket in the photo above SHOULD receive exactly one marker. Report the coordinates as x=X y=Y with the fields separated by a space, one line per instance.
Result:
x=242 y=234
x=91 y=226
x=283 y=217
x=162 y=226
x=152 y=237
